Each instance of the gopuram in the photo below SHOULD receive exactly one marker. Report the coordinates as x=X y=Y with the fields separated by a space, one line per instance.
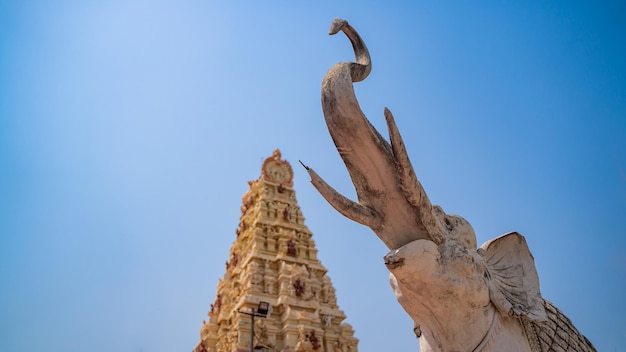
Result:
x=273 y=259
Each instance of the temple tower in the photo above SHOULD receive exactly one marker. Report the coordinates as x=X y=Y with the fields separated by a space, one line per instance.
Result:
x=273 y=259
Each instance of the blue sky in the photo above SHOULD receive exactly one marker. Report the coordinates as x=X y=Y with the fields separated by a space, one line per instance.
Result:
x=129 y=130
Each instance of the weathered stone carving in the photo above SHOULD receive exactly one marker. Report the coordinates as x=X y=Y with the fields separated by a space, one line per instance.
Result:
x=461 y=298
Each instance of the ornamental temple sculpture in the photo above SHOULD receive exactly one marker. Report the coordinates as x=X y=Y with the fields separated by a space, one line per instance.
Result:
x=460 y=297
x=274 y=259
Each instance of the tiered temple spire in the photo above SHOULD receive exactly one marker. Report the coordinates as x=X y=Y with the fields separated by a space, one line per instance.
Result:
x=274 y=259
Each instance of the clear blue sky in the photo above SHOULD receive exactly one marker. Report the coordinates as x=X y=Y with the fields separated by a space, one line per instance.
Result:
x=129 y=130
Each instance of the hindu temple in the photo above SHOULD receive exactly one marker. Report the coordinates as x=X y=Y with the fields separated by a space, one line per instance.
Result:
x=275 y=294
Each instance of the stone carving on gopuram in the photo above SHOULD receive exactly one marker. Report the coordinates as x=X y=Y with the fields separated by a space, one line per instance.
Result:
x=274 y=259
x=460 y=297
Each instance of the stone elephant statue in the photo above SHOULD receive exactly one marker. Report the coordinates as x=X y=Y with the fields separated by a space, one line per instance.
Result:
x=461 y=297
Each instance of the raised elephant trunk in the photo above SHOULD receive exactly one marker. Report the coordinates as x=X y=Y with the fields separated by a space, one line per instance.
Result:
x=392 y=202
x=461 y=298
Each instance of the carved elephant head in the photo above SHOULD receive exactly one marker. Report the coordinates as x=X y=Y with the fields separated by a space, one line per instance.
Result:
x=453 y=290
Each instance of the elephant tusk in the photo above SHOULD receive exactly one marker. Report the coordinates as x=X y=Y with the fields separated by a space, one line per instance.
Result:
x=348 y=208
x=411 y=187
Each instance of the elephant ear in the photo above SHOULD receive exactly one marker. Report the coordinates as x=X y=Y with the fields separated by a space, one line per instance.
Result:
x=513 y=279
